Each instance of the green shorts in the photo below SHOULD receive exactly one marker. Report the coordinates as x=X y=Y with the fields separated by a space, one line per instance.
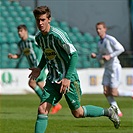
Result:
x=52 y=94
x=42 y=76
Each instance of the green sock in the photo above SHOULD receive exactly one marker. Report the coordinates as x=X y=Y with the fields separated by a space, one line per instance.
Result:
x=38 y=91
x=93 y=111
x=41 y=123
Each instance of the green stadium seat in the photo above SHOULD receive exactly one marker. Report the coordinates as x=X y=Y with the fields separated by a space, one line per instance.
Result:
x=10 y=9
x=75 y=30
x=9 y=19
x=27 y=9
x=14 y=14
x=23 y=14
x=19 y=9
x=15 y=3
x=2 y=8
x=88 y=37
x=5 y=30
x=6 y=3
x=5 y=14
x=18 y=21
x=64 y=26
x=54 y=23
x=4 y=47
x=96 y=39
x=73 y=38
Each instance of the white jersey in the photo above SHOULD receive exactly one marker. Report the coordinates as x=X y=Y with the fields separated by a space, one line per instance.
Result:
x=110 y=46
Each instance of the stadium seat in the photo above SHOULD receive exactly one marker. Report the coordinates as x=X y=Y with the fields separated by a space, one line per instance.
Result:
x=5 y=30
x=14 y=14
x=75 y=30
x=5 y=14
x=88 y=37
x=19 y=9
x=10 y=9
x=96 y=39
x=18 y=21
x=6 y=3
x=15 y=3
x=2 y=8
x=54 y=23
x=27 y=9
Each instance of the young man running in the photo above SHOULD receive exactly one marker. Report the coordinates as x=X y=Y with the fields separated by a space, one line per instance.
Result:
x=61 y=57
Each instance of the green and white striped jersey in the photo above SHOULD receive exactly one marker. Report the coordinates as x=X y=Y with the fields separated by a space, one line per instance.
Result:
x=58 y=52
x=31 y=50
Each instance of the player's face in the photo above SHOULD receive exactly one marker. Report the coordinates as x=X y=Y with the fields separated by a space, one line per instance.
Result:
x=22 y=33
x=101 y=30
x=43 y=23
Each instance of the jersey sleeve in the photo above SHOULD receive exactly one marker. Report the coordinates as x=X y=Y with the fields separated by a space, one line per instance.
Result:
x=117 y=48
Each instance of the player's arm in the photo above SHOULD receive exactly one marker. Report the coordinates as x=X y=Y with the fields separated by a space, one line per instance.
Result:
x=72 y=65
x=36 y=71
x=65 y=82
x=118 y=49
x=42 y=63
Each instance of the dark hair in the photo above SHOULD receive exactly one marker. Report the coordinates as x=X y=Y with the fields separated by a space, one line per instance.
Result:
x=101 y=23
x=42 y=10
x=22 y=26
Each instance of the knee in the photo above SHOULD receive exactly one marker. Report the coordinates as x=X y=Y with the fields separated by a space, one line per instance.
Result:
x=32 y=83
x=41 y=110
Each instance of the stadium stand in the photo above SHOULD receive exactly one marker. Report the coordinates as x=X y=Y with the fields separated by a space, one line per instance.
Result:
x=13 y=14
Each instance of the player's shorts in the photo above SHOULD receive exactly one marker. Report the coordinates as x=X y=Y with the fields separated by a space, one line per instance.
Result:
x=52 y=94
x=42 y=76
x=112 y=76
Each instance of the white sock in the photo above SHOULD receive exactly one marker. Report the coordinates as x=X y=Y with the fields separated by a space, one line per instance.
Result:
x=112 y=101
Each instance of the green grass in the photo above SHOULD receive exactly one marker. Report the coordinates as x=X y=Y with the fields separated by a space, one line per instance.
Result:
x=18 y=115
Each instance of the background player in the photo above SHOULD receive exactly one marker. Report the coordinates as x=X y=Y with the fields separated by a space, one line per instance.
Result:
x=109 y=50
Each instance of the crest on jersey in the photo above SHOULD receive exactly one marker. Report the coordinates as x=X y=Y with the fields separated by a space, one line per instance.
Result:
x=26 y=51
x=50 y=53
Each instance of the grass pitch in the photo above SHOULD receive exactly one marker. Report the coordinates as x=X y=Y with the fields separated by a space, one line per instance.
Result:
x=18 y=115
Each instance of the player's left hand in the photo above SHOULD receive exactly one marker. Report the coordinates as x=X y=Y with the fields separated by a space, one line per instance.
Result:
x=106 y=57
x=65 y=85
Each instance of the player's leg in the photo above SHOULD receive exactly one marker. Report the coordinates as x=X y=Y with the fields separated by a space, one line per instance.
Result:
x=51 y=95
x=73 y=100
x=42 y=117
x=56 y=108
x=40 y=83
x=115 y=82
x=35 y=87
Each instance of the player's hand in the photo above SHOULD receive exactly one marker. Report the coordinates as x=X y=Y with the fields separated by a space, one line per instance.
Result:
x=65 y=85
x=35 y=73
x=93 y=55
x=10 y=55
x=106 y=57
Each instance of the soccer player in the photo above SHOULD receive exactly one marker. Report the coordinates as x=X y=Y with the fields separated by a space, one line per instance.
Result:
x=61 y=58
x=109 y=50
x=28 y=47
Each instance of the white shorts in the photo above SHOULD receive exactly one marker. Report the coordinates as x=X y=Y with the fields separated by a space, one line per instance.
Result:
x=112 y=76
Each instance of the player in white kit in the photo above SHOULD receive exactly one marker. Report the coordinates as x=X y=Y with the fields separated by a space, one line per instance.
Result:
x=109 y=50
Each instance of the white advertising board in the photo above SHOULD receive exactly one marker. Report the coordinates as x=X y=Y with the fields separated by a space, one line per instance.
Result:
x=15 y=81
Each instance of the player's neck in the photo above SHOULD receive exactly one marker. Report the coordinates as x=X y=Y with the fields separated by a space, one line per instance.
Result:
x=25 y=37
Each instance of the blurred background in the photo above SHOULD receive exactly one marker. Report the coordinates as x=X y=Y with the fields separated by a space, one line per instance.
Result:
x=77 y=18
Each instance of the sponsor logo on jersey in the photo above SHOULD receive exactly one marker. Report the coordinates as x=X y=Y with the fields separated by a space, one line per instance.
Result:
x=26 y=51
x=50 y=53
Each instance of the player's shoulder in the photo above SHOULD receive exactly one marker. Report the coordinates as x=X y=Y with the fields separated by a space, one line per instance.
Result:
x=110 y=37
x=57 y=31
x=38 y=34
